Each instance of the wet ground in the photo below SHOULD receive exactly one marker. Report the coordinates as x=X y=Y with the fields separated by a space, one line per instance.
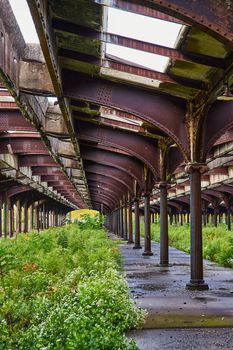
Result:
x=161 y=291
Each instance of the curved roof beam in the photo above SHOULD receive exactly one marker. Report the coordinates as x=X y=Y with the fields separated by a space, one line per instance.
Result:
x=102 y=194
x=134 y=144
x=110 y=172
x=108 y=181
x=105 y=200
x=106 y=190
x=97 y=206
x=110 y=187
x=122 y=162
x=164 y=112
x=218 y=121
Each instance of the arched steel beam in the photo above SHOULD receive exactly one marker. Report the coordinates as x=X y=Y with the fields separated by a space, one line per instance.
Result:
x=155 y=207
x=174 y=159
x=18 y=190
x=106 y=201
x=138 y=146
x=216 y=20
x=97 y=204
x=207 y=197
x=101 y=194
x=165 y=113
x=105 y=190
x=94 y=185
x=23 y=145
x=125 y=163
x=14 y=121
x=51 y=177
x=218 y=121
x=110 y=186
x=214 y=193
x=177 y=206
x=184 y=202
x=110 y=172
x=225 y=189
x=108 y=181
x=36 y=160
x=44 y=170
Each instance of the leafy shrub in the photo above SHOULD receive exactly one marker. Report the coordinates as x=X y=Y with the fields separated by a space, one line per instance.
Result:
x=63 y=289
x=90 y=222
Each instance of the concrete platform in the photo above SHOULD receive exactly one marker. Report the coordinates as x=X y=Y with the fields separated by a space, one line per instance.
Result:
x=161 y=291
x=184 y=339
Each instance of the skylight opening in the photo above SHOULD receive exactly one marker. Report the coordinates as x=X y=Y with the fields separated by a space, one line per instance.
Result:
x=143 y=28
x=25 y=22
x=139 y=58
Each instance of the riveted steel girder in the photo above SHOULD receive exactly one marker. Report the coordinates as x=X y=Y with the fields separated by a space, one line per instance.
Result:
x=72 y=31
x=44 y=170
x=103 y=194
x=125 y=163
x=136 y=145
x=14 y=121
x=106 y=200
x=36 y=160
x=108 y=181
x=23 y=145
x=219 y=119
x=107 y=191
x=214 y=17
x=109 y=186
x=111 y=172
x=161 y=111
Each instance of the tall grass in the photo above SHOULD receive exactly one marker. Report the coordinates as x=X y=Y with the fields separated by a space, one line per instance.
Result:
x=63 y=289
x=217 y=241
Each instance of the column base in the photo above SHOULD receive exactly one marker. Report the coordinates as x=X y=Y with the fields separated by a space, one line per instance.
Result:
x=197 y=285
x=165 y=265
x=130 y=242
x=137 y=247
x=147 y=253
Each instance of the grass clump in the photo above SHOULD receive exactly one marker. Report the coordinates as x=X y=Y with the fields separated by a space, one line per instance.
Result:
x=63 y=289
x=217 y=241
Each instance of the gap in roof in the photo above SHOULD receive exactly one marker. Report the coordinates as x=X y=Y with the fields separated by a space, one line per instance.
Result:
x=139 y=58
x=142 y=28
x=148 y=29
x=24 y=19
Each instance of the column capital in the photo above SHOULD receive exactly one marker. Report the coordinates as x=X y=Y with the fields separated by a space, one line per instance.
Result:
x=146 y=193
x=191 y=167
x=163 y=184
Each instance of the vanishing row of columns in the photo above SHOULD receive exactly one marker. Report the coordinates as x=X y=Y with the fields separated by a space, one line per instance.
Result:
x=117 y=222
x=21 y=217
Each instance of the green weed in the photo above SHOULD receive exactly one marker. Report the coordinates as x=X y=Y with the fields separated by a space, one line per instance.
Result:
x=63 y=289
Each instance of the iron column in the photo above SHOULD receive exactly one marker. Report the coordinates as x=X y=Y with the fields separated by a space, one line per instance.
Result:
x=147 y=231
x=196 y=281
x=164 y=255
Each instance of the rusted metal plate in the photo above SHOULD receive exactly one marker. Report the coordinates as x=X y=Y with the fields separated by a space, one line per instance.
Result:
x=219 y=119
x=36 y=160
x=106 y=180
x=136 y=145
x=214 y=17
x=22 y=145
x=14 y=121
x=110 y=172
x=164 y=112
x=124 y=163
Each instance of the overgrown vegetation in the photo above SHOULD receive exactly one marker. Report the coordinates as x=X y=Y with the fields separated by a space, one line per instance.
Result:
x=63 y=289
x=217 y=241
